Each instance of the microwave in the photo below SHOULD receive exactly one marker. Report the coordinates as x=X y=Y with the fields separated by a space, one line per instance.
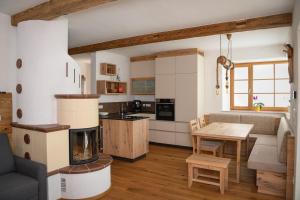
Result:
x=165 y=109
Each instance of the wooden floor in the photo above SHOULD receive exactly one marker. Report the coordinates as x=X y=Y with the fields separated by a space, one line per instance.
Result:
x=162 y=175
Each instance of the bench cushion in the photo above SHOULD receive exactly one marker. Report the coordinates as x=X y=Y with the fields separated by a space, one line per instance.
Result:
x=263 y=124
x=270 y=140
x=222 y=117
x=18 y=187
x=264 y=157
x=282 y=133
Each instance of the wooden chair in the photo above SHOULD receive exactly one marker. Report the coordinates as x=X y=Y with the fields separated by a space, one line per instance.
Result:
x=197 y=162
x=205 y=145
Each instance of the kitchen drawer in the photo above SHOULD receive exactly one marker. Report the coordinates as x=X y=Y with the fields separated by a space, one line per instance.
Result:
x=183 y=139
x=163 y=125
x=182 y=127
x=163 y=137
x=152 y=124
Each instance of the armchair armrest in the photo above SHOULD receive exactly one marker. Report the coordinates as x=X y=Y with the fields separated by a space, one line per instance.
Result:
x=34 y=170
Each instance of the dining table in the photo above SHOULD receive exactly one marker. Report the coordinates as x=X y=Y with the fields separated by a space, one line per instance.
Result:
x=235 y=132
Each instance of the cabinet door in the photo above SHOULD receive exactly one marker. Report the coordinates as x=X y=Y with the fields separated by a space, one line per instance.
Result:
x=143 y=86
x=165 y=86
x=163 y=137
x=186 y=64
x=165 y=65
x=183 y=139
x=186 y=97
x=142 y=69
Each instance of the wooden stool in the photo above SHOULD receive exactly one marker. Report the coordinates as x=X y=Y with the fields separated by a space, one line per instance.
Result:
x=210 y=163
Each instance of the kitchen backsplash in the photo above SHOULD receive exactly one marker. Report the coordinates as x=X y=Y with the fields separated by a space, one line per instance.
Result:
x=114 y=107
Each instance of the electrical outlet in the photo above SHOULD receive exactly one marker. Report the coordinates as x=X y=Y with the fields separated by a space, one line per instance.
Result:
x=100 y=106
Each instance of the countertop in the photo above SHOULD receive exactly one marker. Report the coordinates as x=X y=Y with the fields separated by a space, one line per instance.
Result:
x=127 y=117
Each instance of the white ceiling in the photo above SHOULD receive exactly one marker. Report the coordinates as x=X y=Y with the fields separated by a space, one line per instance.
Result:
x=11 y=7
x=248 y=39
x=125 y=18
x=258 y=38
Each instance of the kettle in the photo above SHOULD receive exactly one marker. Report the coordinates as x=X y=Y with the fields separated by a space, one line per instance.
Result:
x=137 y=105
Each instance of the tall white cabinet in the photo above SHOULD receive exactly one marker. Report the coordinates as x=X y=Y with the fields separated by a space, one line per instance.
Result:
x=180 y=78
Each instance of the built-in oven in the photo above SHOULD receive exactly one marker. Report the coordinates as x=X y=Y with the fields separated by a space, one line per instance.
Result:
x=165 y=109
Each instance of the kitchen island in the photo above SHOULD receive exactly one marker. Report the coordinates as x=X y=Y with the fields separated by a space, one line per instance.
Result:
x=125 y=136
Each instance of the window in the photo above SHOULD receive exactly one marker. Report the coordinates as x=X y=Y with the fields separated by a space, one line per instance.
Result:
x=265 y=82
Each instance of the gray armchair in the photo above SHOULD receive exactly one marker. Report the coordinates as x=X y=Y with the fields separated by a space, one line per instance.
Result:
x=20 y=179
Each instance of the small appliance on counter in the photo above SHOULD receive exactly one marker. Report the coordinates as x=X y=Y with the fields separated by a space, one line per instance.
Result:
x=137 y=106
x=165 y=109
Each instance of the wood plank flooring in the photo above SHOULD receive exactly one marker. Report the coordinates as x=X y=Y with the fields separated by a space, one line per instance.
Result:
x=162 y=175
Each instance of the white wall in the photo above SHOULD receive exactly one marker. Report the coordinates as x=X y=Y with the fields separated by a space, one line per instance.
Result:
x=214 y=103
x=295 y=120
x=8 y=58
x=43 y=48
x=123 y=66
x=85 y=69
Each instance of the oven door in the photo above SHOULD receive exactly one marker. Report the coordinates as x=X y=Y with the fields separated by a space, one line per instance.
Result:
x=165 y=111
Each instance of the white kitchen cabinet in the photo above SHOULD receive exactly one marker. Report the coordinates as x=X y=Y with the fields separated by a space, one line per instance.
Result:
x=182 y=127
x=186 y=97
x=163 y=125
x=164 y=137
x=165 y=86
x=186 y=64
x=165 y=65
x=183 y=139
x=142 y=69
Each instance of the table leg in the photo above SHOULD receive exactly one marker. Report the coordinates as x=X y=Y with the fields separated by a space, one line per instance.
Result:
x=238 y=160
x=247 y=146
x=198 y=144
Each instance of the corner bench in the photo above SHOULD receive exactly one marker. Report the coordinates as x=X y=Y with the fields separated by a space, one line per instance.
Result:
x=272 y=155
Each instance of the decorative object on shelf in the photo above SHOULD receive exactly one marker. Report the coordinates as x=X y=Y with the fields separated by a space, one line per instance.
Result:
x=108 y=69
x=257 y=105
x=224 y=61
x=290 y=53
x=19 y=63
x=19 y=88
x=118 y=75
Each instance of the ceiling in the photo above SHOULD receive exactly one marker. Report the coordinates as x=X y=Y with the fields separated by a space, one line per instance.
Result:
x=248 y=39
x=125 y=18
x=11 y=7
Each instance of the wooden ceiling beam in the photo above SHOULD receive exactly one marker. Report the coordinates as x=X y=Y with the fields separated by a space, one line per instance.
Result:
x=272 y=21
x=55 y=8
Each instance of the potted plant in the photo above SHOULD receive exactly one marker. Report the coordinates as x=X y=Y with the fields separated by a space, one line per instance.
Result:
x=257 y=105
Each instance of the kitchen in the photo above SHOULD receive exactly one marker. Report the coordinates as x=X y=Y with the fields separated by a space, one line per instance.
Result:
x=164 y=88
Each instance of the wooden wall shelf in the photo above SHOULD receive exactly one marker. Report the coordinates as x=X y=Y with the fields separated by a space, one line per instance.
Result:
x=111 y=87
x=108 y=69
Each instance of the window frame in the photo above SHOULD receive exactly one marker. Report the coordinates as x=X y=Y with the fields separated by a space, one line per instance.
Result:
x=250 y=65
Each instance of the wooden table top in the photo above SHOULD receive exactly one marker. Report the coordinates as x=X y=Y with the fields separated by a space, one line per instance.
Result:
x=220 y=130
